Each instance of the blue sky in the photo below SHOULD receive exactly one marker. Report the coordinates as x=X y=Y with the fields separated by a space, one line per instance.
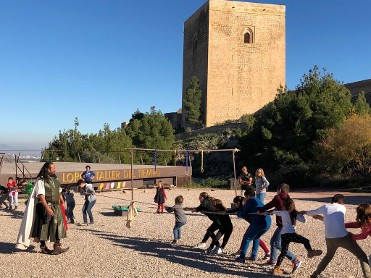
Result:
x=101 y=60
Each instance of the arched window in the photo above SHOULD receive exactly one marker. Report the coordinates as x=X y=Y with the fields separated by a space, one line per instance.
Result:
x=248 y=37
x=194 y=42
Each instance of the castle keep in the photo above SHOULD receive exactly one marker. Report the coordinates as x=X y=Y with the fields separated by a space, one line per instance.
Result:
x=237 y=51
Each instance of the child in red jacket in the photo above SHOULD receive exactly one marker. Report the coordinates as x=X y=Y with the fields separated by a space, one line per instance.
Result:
x=363 y=221
x=13 y=193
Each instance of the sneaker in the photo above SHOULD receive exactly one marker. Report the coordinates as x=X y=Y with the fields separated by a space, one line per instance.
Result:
x=267 y=256
x=208 y=251
x=201 y=245
x=240 y=260
x=312 y=253
x=174 y=242
x=217 y=250
x=270 y=262
x=251 y=259
x=277 y=271
x=295 y=265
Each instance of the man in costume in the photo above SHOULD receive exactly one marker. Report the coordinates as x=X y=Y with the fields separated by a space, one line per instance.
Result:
x=43 y=219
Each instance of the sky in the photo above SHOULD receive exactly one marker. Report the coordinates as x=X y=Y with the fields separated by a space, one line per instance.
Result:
x=101 y=60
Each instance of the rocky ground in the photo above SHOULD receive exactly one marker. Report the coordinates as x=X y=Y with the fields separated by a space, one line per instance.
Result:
x=109 y=249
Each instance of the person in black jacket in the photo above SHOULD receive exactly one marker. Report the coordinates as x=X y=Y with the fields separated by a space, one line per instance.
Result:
x=223 y=220
x=205 y=207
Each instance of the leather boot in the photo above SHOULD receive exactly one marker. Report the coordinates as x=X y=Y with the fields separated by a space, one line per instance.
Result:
x=58 y=249
x=45 y=250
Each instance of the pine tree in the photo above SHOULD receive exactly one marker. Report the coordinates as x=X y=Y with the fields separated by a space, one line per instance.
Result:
x=192 y=103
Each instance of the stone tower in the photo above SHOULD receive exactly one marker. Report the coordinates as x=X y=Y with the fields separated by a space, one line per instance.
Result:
x=237 y=51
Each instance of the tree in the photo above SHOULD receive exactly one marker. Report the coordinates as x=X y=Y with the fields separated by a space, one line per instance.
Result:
x=285 y=130
x=347 y=149
x=361 y=106
x=192 y=103
x=153 y=131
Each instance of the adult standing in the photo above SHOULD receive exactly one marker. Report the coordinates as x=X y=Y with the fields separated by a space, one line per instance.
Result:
x=87 y=189
x=336 y=235
x=88 y=175
x=261 y=184
x=245 y=179
x=46 y=214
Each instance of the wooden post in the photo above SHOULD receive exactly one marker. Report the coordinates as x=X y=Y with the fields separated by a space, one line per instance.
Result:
x=132 y=172
x=234 y=172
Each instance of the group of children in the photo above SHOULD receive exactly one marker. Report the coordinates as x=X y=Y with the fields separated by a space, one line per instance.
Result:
x=258 y=215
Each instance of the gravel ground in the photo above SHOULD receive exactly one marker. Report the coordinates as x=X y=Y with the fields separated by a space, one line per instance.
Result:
x=109 y=249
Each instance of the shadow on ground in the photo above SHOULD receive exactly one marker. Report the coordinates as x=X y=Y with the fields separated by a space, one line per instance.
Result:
x=187 y=256
x=9 y=248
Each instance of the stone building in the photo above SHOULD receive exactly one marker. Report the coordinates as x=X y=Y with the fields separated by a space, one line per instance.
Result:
x=237 y=51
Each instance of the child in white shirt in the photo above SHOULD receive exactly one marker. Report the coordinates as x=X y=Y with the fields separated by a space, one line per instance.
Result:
x=288 y=234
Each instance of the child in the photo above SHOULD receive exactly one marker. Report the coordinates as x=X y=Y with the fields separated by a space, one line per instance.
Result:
x=70 y=200
x=289 y=216
x=363 y=221
x=13 y=193
x=225 y=228
x=160 y=197
x=180 y=218
x=259 y=225
x=275 y=242
x=206 y=206
x=238 y=203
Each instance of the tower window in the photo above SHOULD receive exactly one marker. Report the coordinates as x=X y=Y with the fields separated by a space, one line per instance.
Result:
x=194 y=42
x=248 y=37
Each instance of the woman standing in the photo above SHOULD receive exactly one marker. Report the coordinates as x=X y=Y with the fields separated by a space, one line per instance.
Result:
x=261 y=184
x=90 y=199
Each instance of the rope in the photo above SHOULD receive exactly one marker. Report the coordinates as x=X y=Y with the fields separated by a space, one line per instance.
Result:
x=125 y=200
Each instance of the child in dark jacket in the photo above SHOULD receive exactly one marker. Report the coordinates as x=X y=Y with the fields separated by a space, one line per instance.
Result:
x=180 y=218
x=160 y=197
x=225 y=228
x=70 y=201
x=205 y=207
